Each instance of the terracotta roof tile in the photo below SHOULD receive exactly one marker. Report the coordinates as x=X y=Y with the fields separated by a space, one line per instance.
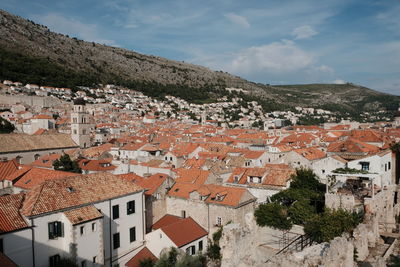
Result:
x=22 y=142
x=165 y=220
x=143 y=254
x=10 y=217
x=65 y=193
x=7 y=168
x=36 y=176
x=184 y=231
x=83 y=214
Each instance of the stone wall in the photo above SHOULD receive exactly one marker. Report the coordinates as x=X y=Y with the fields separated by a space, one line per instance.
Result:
x=379 y=217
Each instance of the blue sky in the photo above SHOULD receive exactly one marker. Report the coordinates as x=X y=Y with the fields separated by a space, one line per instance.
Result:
x=267 y=41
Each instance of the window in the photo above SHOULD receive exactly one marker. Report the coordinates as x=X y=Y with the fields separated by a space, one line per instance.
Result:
x=82 y=230
x=385 y=167
x=183 y=214
x=115 y=212
x=74 y=131
x=1 y=246
x=54 y=260
x=219 y=221
x=94 y=227
x=191 y=250
x=323 y=171
x=83 y=263
x=132 y=234
x=55 y=230
x=389 y=165
x=200 y=245
x=116 y=240
x=364 y=166
x=94 y=259
x=130 y=207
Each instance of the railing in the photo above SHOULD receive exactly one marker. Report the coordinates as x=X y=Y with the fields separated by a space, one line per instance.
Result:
x=297 y=244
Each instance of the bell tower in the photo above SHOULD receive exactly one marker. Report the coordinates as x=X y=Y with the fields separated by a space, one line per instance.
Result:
x=80 y=127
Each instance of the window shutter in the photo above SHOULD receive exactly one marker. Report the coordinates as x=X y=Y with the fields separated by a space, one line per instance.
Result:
x=51 y=230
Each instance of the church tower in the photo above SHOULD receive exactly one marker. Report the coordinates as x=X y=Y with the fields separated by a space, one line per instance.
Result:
x=80 y=127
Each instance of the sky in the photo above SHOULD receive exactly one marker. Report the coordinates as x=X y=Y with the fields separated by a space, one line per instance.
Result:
x=266 y=41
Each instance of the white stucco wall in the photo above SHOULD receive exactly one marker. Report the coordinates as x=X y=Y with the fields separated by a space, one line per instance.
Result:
x=18 y=246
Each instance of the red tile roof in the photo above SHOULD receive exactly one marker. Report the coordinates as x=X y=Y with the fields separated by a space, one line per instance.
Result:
x=152 y=183
x=65 y=193
x=35 y=176
x=10 y=217
x=165 y=220
x=143 y=254
x=184 y=231
x=6 y=261
x=83 y=214
x=8 y=167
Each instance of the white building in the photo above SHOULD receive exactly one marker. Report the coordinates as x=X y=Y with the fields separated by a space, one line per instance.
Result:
x=174 y=231
x=80 y=127
x=95 y=219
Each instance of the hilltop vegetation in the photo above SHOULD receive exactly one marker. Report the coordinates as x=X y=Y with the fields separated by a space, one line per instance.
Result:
x=30 y=52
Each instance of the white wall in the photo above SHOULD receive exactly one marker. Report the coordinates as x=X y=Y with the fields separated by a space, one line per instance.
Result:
x=18 y=246
x=157 y=240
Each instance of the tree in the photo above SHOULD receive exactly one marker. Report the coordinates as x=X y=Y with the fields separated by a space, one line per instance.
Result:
x=6 y=126
x=147 y=263
x=330 y=224
x=273 y=215
x=64 y=163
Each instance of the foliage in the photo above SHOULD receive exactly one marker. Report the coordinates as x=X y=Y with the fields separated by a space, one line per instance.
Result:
x=295 y=205
x=349 y=170
x=330 y=224
x=192 y=261
x=6 y=126
x=217 y=235
x=64 y=163
x=171 y=259
x=306 y=179
x=301 y=211
x=273 y=215
x=66 y=262
x=147 y=263
x=214 y=252
x=393 y=261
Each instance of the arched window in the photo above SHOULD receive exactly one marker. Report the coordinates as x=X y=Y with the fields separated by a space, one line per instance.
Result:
x=36 y=156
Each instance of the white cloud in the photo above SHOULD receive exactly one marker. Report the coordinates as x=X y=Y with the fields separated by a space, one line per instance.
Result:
x=74 y=28
x=304 y=32
x=324 y=68
x=237 y=19
x=339 y=81
x=278 y=57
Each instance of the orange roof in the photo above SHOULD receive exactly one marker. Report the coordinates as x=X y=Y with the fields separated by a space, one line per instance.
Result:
x=10 y=218
x=165 y=220
x=46 y=160
x=152 y=183
x=43 y=117
x=143 y=254
x=184 y=231
x=96 y=165
x=60 y=194
x=40 y=131
x=352 y=145
x=83 y=214
x=8 y=167
x=311 y=153
x=132 y=146
x=35 y=176
x=6 y=261
x=230 y=196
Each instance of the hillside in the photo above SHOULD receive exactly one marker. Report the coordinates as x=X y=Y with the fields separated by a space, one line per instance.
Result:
x=30 y=52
